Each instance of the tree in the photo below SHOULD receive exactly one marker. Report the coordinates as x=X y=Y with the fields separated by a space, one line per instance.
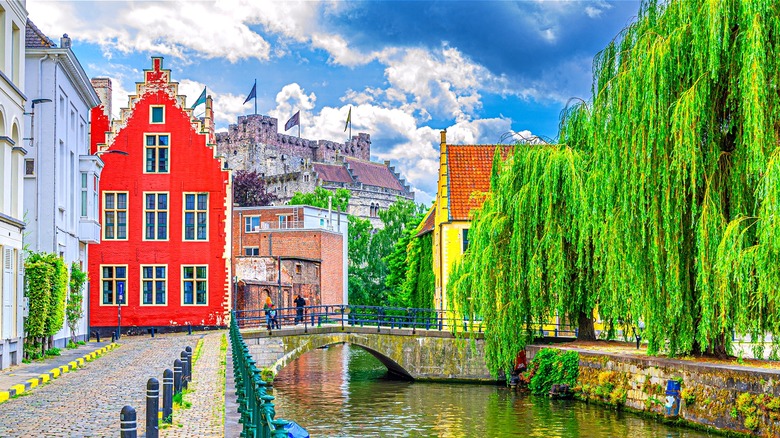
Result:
x=249 y=189
x=73 y=309
x=361 y=282
x=320 y=196
x=669 y=180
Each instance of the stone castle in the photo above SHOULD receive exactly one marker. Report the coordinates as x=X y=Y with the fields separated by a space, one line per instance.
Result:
x=290 y=164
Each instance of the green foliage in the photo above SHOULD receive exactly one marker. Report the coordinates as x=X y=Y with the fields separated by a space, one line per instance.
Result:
x=38 y=276
x=71 y=345
x=319 y=198
x=689 y=396
x=53 y=352
x=661 y=202
x=553 y=367
x=59 y=288
x=420 y=281
x=370 y=251
x=267 y=375
x=73 y=309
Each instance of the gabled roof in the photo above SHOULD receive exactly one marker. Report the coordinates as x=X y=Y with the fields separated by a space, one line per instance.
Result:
x=34 y=38
x=426 y=226
x=469 y=168
x=332 y=172
x=374 y=174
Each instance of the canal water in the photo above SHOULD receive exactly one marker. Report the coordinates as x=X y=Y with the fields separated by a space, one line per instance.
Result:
x=343 y=391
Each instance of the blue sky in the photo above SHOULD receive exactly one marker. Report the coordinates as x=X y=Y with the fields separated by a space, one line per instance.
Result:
x=480 y=69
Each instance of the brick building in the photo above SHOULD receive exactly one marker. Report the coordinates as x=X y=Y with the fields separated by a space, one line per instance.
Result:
x=291 y=164
x=164 y=194
x=310 y=243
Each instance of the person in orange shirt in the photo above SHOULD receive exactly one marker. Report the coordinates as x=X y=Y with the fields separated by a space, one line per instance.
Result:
x=270 y=312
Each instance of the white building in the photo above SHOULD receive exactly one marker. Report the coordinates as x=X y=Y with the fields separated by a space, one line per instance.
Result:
x=60 y=175
x=13 y=17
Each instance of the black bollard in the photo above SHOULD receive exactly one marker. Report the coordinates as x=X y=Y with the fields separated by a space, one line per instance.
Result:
x=189 y=329
x=188 y=349
x=97 y=336
x=167 y=410
x=177 y=367
x=113 y=336
x=152 y=406
x=185 y=370
x=127 y=424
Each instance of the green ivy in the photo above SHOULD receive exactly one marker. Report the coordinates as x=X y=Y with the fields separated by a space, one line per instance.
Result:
x=38 y=275
x=553 y=367
x=73 y=309
x=59 y=289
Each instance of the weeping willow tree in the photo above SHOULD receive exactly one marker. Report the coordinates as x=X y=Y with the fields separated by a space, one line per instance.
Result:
x=679 y=177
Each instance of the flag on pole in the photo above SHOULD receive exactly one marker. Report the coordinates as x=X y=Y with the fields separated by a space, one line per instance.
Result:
x=252 y=94
x=294 y=120
x=349 y=119
x=200 y=100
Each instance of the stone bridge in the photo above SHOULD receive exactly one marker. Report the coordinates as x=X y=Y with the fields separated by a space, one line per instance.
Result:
x=418 y=355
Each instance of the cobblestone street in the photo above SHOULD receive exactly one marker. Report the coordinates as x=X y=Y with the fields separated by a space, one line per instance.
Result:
x=86 y=402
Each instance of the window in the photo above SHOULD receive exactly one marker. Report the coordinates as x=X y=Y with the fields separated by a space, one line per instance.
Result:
x=115 y=215
x=251 y=223
x=195 y=216
x=316 y=271
x=114 y=284
x=156 y=153
x=194 y=285
x=29 y=167
x=153 y=282
x=95 y=191
x=251 y=251
x=306 y=177
x=465 y=239
x=282 y=221
x=157 y=114
x=156 y=213
x=83 y=194
x=298 y=268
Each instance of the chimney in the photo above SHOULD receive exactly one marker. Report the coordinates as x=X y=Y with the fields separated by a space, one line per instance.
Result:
x=65 y=41
x=102 y=87
x=208 y=120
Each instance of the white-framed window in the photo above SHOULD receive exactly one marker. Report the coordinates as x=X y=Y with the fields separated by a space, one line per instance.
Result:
x=196 y=207
x=157 y=114
x=84 y=194
x=113 y=280
x=282 y=222
x=251 y=223
x=251 y=251
x=194 y=285
x=156 y=151
x=155 y=216
x=115 y=215
x=154 y=282
x=29 y=167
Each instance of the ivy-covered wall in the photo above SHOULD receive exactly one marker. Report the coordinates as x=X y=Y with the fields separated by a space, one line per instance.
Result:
x=732 y=398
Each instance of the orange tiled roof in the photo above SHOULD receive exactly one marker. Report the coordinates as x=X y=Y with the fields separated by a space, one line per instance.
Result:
x=428 y=223
x=468 y=168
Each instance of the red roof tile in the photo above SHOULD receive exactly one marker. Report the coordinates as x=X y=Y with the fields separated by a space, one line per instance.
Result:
x=428 y=223
x=332 y=172
x=374 y=174
x=469 y=168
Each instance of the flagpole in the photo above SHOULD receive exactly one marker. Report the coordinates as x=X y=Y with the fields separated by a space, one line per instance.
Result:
x=299 y=123
x=255 y=88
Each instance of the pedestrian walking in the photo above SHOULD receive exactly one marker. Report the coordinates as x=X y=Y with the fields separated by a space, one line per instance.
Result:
x=270 y=312
x=299 y=304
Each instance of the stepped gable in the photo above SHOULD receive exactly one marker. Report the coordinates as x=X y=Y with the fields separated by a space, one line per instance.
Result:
x=332 y=173
x=375 y=174
x=469 y=168
x=158 y=80
x=35 y=39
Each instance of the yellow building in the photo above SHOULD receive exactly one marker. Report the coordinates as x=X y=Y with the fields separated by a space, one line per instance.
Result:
x=464 y=178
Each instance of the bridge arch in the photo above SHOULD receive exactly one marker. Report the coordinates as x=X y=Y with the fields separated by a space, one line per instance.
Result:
x=313 y=342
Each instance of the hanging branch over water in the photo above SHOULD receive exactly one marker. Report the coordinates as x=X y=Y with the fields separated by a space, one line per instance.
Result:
x=677 y=169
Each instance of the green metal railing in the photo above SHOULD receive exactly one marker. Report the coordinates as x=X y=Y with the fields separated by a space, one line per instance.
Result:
x=254 y=404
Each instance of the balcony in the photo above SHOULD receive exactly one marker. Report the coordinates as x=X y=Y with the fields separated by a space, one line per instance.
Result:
x=89 y=230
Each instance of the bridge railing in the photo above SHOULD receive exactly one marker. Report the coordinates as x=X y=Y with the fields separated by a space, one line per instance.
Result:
x=254 y=404
x=362 y=316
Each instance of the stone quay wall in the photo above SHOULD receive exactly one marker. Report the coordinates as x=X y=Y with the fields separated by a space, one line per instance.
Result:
x=730 y=398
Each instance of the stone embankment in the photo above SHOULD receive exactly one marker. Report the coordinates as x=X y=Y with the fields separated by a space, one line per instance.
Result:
x=730 y=398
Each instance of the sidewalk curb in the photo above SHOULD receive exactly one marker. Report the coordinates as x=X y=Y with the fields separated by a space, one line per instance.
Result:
x=54 y=373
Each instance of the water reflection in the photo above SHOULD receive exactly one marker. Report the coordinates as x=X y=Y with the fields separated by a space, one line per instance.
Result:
x=343 y=391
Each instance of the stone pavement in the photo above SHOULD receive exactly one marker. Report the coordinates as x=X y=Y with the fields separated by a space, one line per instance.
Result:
x=205 y=418
x=86 y=402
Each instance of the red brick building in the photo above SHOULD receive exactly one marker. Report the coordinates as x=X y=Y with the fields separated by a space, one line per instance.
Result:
x=310 y=243
x=163 y=201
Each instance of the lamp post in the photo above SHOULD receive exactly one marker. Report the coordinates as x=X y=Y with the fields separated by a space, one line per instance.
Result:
x=638 y=329
x=120 y=296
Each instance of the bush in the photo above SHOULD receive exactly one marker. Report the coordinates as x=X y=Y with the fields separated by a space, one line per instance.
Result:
x=553 y=367
x=53 y=352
